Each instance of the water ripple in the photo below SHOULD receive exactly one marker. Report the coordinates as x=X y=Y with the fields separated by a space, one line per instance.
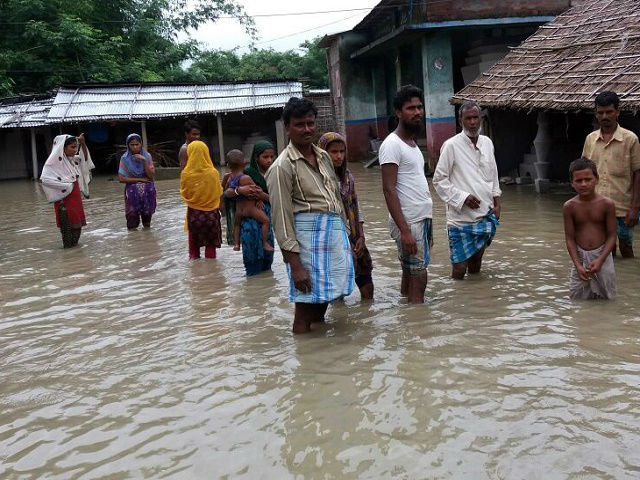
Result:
x=123 y=359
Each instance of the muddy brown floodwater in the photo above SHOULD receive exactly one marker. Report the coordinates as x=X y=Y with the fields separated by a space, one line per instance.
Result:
x=123 y=359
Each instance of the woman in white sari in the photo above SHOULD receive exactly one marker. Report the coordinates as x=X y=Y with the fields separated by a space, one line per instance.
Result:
x=65 y=175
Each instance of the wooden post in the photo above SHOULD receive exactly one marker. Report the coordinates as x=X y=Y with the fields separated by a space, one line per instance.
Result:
x=281 y=136
x=220 y=139
x=145 y=144
x=34 y=154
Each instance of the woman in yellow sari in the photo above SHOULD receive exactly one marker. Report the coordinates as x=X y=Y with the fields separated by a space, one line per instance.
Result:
x=201 y=190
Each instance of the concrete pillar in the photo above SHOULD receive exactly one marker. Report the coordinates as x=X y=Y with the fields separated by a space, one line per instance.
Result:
x=380 y=98
x=221 y=140
x=542 y=145
x=34 y=154
x=145 y=144
x=438 y=89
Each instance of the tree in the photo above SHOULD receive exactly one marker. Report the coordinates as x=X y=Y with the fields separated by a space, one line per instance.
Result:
x=225 y=65
x=314 y=64
x=48 y=42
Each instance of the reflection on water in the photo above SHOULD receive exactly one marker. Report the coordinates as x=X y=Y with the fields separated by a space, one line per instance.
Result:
x=122 y=359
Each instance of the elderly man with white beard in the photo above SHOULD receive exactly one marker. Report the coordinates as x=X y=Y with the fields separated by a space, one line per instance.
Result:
x=466 y=179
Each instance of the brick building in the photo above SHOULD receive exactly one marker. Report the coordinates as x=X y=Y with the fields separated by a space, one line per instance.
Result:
x=440 y=46
x=326 y=120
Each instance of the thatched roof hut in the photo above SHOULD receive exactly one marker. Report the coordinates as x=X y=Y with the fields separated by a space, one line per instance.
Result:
x=593 y=46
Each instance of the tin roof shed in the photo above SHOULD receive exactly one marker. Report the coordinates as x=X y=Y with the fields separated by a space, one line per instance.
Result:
x=101 y=102
x=24 y=114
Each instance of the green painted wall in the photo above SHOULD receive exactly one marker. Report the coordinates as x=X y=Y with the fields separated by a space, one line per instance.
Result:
x=437 y=75
x=357 y=83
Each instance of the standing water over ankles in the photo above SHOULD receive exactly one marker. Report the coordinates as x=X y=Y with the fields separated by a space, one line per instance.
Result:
x=123 y=359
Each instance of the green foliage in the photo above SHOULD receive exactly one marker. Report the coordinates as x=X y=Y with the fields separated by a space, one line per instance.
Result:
x=45 y=43
x=227 y=66
x=48 y=42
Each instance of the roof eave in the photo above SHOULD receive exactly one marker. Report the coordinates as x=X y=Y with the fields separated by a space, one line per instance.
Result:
x=568 y=106
x=452 y=25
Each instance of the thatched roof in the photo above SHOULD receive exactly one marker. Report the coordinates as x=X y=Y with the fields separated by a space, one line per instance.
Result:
x=593 y=46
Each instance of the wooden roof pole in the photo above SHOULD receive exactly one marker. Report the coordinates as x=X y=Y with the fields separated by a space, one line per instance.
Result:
x=220 y=139
x=34 y=154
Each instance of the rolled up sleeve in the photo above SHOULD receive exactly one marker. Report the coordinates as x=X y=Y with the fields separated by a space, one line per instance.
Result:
x=280 y=183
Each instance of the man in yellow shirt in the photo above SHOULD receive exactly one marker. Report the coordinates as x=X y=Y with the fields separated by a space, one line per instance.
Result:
x=616 y=153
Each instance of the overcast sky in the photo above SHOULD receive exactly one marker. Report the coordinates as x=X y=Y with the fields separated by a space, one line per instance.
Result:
x=227 y=33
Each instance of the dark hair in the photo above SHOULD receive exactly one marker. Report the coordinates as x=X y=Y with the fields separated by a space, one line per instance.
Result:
x=606 y=98
x=190 y=125
x=582 y=163
x=70 y=140
x=296 y=108
x=392 y=123
x=405 y=94
x=235 y=157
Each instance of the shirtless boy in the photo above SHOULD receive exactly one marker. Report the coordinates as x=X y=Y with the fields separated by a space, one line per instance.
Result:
x=245 y=207
x=590 y=234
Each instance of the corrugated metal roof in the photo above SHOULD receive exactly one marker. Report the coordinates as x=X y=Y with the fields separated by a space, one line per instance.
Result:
x=25 y=114
x=126 y=102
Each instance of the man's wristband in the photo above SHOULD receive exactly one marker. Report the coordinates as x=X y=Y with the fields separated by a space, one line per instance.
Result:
x=236 y=191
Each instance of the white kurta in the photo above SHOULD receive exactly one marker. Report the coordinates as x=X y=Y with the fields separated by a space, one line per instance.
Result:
x=464 y=169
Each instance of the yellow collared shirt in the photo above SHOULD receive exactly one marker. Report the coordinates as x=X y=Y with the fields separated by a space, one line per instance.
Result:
x=616 y=161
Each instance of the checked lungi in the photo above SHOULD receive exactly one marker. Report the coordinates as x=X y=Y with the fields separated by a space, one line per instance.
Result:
x=466 y=240
x=325 y=252
x=625 y=233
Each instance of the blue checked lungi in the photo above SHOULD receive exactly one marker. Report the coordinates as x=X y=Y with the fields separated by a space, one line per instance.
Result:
x=422 y=233
x=325 y=252
x=625 y=234
x=466 y=240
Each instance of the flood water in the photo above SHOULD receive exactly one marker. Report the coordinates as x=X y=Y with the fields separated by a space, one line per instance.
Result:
x=123 y=359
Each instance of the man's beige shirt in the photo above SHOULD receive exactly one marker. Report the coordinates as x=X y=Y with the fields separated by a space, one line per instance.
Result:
x=616 y=162
x=295 y=186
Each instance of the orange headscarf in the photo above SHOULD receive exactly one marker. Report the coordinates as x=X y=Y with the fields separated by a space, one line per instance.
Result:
x=200 y=186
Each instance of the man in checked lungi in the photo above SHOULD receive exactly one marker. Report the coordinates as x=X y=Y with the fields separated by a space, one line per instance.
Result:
x=406 y=193
x=308 y=219
x=466 y=179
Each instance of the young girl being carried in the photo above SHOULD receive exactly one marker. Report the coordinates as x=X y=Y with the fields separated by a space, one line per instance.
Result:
x=245 y=207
